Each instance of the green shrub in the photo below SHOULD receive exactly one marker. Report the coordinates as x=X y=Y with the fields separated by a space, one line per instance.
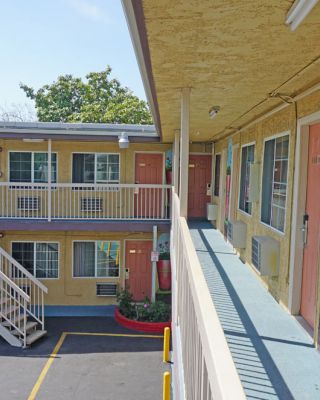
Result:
x=146 y=311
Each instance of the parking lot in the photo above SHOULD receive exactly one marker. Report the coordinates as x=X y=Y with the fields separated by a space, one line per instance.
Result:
x=84 y=358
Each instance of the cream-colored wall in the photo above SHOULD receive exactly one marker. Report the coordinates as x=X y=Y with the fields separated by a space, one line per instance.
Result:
x=283 y=121
x=64 y=150
x=67 y=290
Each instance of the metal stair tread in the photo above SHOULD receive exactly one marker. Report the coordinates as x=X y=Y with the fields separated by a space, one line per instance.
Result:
x=29 y=326
x=9 y=310
x=4 y=300
x=15 y=321
x=35 y=336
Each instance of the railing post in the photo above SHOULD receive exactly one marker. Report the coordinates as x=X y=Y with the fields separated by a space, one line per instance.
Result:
x=184 y=151
x=24 y=323
x=49 y=177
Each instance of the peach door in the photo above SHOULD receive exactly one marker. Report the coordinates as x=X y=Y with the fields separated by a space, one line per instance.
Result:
x=311 y=250
x=199 y=178
x=139 y=269
x=148 y=170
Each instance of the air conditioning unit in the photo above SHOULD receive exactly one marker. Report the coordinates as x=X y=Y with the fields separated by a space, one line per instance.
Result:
x=212 y=212
x=265 y=254
x=28 y=203
x=237 y=234
x=91 y=204
x=106 y=289
x=254 y=185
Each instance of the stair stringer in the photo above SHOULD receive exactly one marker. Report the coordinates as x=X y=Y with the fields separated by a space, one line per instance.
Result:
x=9 y=337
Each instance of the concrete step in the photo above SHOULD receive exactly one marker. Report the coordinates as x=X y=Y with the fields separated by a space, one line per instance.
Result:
x=30 y=325
x=34 y=336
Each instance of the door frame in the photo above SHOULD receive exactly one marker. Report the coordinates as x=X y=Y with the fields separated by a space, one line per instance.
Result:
x=234 y=184
x=123 y=283
x=197 y=153
x=298 y=210
x=150 y=152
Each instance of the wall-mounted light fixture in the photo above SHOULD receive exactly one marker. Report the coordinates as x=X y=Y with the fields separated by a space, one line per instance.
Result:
x=1 y=235
x=299 y=10
x=123 y=141
x=214 y=111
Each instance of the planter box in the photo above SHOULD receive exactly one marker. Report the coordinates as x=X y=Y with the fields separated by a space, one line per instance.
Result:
x=154 y=327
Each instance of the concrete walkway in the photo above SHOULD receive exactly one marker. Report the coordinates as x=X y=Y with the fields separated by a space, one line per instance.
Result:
x=273 y=354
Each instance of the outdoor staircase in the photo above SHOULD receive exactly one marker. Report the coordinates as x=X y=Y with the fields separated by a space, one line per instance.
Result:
x=21 y=303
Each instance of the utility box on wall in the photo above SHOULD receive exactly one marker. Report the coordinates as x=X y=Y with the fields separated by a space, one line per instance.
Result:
x=237 y=234
x=265 y=254
x=212 y=212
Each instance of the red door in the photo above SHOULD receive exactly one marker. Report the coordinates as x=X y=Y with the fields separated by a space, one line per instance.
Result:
x=139 y=269
x=311 y=251
x=149 y=169
x=199 y=178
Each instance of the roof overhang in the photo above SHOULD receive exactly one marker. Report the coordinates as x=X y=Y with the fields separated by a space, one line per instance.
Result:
x=240 y=56
x=77 y=131
x=137 y=29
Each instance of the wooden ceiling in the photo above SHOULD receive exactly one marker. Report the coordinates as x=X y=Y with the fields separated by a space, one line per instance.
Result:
x=232 y=54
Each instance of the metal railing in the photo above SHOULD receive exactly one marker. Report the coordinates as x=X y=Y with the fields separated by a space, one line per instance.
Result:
x=27 y=283
x=208 y=371
x=77 y=201
x=13 y=306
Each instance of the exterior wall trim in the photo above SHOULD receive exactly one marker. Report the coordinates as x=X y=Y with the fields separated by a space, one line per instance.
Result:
x=298 y=209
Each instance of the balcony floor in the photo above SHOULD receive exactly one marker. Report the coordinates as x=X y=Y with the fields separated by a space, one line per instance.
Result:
x=273 y=354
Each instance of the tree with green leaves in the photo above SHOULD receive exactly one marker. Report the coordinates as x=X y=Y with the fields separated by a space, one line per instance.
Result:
x=97 y=99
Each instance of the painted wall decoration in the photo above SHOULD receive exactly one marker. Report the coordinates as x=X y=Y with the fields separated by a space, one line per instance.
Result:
x=168 y=166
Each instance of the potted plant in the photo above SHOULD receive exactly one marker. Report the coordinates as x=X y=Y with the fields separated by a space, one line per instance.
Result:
x=145 y=316
x=168 y=171
x=164 y=266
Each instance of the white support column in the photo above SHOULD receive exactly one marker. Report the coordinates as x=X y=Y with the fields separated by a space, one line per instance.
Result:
x=184 y=151
x=49 y=177
x=176 y=158
x=154 y=265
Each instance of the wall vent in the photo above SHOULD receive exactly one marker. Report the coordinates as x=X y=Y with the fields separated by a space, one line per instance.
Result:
x=91 y=204
x=237 y=234
x=106 y=289
x=265 y=254
x=28 y=203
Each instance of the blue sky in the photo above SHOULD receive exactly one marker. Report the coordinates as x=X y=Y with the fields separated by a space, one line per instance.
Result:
x=42 y=39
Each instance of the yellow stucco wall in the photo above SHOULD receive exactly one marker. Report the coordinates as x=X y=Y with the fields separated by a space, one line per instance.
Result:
x=67 y=290
x=281 y=122
x=65 y=149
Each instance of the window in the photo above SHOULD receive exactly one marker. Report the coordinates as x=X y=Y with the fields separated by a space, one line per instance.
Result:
x=274 y=182
x=217 y=175
x=95 y=168
x=98 y=259
x=247 y=158
x=31 y=167
x=40 y=259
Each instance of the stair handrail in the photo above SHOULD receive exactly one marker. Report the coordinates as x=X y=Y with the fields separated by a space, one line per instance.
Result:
x=15 y=287
x=23 y=270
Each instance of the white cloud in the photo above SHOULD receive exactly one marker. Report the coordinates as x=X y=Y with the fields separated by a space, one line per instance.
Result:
x=90 y=10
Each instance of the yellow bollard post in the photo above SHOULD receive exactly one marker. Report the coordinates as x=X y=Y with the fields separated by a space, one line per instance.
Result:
x=166 y=386
x=166 y=345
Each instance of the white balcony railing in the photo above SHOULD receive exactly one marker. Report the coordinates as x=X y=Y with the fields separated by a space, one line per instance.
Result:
x=77 y=201
x=203 y=366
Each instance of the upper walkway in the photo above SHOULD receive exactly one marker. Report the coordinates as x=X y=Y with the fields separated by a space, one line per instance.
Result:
x=273 y=354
